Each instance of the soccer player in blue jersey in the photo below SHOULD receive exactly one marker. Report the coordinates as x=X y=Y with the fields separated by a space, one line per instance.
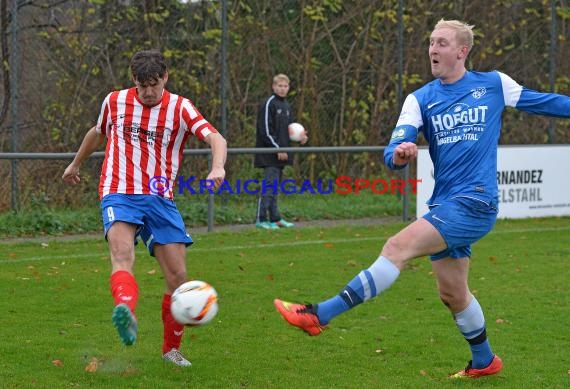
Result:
x=459 y=114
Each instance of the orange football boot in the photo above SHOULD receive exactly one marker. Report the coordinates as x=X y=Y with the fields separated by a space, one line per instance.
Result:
x=300 y=315
x=494 y=367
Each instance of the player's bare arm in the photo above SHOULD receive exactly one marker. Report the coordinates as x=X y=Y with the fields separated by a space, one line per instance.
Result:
x=404 y=153
x=219 y=148
x=91 y=143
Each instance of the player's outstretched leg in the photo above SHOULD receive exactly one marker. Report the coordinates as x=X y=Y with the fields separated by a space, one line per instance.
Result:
x=126 y=324
x=299 y=315
x=494 y=367
x=367 y=284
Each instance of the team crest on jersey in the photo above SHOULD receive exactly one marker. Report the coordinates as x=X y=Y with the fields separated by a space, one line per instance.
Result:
x=479 y=92
x=398 y=133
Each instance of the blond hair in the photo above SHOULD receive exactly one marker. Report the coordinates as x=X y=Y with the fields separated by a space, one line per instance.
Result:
x=281 y=77
x=463 y=31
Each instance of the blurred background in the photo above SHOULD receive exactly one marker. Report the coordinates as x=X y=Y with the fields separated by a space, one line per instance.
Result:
x=351 y=64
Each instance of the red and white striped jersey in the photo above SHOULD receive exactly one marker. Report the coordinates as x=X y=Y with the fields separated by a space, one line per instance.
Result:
x=145 y=144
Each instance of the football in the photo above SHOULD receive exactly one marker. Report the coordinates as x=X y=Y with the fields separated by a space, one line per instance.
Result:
x=296 y=132
x=194 y=303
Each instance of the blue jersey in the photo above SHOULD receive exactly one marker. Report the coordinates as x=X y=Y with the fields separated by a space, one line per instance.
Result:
x=462 y=123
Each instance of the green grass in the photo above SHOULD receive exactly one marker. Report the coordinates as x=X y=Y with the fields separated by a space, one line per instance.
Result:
x=41 y=219
x=56 y=309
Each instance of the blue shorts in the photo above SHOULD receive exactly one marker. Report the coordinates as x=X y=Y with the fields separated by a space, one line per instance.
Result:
x=157 y=218
x=461 y=221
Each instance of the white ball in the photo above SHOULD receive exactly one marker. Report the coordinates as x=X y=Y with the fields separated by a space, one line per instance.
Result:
x=296 y=132
x=194 y=303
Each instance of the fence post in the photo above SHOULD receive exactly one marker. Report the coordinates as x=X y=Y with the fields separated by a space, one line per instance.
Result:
x=14 y=101
x=210 y=201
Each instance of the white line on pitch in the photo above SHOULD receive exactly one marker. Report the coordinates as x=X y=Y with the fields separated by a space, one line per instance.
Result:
x=265 y=245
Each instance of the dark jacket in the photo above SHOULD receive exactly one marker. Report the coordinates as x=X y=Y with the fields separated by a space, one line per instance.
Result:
x=273 y=120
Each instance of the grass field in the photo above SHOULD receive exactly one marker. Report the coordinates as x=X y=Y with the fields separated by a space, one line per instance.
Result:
x=57 y=333
x=41 y=219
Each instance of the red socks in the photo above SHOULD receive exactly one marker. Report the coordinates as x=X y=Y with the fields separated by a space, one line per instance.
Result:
x=173 y=331
x=124 y=289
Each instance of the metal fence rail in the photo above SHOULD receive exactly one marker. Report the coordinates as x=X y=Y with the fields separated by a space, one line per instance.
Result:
x=238 y=150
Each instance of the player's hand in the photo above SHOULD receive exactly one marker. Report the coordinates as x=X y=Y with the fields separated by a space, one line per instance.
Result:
x=217 y=176
x=404 y=153
x=71 y=174
x=282 y=156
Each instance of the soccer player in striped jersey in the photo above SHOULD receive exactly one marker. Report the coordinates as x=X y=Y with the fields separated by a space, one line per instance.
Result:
x=459 y=114
x=145 y=128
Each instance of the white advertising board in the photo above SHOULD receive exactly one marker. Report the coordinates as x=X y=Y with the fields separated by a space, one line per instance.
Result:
x=534 y=181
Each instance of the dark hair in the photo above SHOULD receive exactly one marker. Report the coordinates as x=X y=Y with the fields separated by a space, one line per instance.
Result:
x=148 y=65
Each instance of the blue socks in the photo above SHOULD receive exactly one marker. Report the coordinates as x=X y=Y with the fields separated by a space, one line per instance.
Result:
x=471 y=323
x=380 y=276
x=367 y=284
